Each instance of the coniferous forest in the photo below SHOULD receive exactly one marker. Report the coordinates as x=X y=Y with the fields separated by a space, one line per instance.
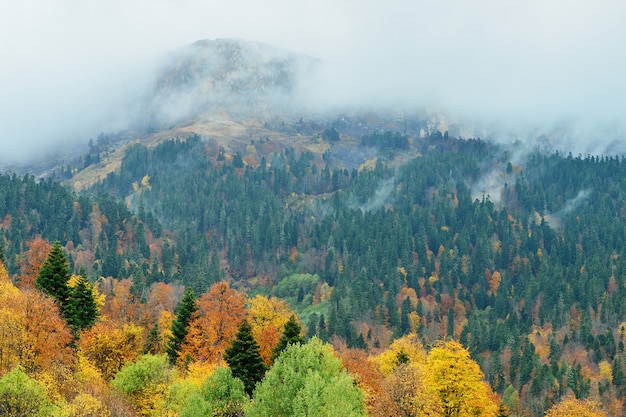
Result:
x=437 y=276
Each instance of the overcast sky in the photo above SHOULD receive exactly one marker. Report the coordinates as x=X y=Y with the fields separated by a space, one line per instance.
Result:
x=66 y=65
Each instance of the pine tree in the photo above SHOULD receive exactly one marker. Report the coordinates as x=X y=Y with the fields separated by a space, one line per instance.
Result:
x=180 y=326
x=82 y=309
x=450 y=326
x=54 y=276
x=323 y=330
x=405 y=323
x=619 y=380
x=291 y=334
x=244 y=358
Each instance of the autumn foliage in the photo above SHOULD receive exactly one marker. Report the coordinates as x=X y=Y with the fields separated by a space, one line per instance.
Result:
x=221 y=310
x=268 y=316
x=32 y=332
x=408 y=380
x=109 y=345
x=32 y=260
x=457 y=381
x=574 y=407
x=106 y=370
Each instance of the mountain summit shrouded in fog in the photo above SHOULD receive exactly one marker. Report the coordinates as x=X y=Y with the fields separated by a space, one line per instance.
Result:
x=225 y=74
x=514 y=71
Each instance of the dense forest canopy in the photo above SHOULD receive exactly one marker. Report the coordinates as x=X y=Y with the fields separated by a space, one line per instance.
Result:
x=434 y=239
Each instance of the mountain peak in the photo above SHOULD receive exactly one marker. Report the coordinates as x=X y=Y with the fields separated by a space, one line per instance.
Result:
x=226 y=74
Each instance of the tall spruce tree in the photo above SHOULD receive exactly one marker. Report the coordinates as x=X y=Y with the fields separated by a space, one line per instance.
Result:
x=180 y=325
x=152 y=340
x=82 y=309
x=619 y=379
x=244 y=358
x=292 y=333
x=54 y=276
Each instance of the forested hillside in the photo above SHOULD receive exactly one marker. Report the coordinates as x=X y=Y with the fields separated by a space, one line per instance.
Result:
x=404 y=251
x=99 y=232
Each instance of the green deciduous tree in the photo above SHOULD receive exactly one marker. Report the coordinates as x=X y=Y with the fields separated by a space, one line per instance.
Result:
x=307 y=380
x=221 y=395
x=21 y=396
x=244 y=358
x=145 y=382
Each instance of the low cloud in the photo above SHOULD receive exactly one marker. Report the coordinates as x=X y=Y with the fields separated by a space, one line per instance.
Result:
x=503 y=71
x=381 y=196
x=490 y=186
x=555 y=219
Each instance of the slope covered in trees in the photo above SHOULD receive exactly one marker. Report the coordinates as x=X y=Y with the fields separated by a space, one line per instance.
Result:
x=521 y=261
x=528 y=274
x=99 y=233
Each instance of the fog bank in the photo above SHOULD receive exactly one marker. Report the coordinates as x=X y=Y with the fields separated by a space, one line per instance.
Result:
x=505 y=70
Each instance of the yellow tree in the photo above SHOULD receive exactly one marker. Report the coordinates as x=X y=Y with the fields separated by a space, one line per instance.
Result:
x=6 y=286
x=89 y=394
x=10 y=327
x=267 y=318
x=405 y=394
x=574 y=407
x=458 y=382
x=86 y=405
x=109 y=346
x=145 y=182
x=32 y=332
x=88 y=377
x=407 y=349
x=160 y=333
x=12 y=335
x=221 y=310
x=403 y=390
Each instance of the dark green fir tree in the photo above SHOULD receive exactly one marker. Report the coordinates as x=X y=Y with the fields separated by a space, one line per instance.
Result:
x=619 y=379
x=292 y=333
x=54 y=276
x=82 y=309
x=244 y=358
x=152 y=341
x=180 y=326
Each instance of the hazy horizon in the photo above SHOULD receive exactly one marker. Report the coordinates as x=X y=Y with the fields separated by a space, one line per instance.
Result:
x=70 y=67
